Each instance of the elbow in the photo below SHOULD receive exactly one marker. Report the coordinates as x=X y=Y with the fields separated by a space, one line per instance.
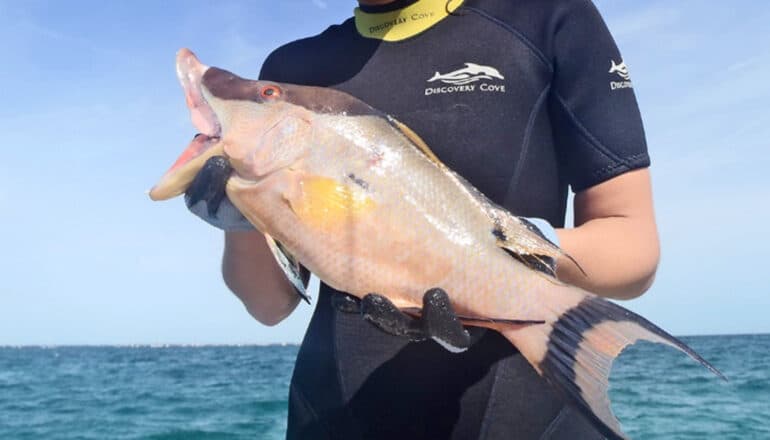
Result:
x=649 y=270
x=268 y=308
x=250 y=272
x=646 y=282
x=645 y=267
x=267 y=319
x=635 y=288
x=641 y=276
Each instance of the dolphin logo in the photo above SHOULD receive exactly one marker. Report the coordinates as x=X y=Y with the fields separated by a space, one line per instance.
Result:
x=468 y=74
x=621 y=69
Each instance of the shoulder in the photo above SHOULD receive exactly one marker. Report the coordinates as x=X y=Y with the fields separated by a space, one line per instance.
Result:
x=536 y=21
x=528 y=9
x=293 y=61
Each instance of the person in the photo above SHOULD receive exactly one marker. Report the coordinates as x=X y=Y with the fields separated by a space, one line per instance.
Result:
x=524 y=98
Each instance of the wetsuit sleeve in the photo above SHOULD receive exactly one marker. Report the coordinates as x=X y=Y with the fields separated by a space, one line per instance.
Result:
x=597 y=125
x=283 y=64
x=271 y=67
x=289 y=63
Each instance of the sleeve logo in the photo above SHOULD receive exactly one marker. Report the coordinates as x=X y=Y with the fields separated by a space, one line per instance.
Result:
x=622 y=71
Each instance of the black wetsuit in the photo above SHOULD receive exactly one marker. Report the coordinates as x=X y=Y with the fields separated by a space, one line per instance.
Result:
x=523 y=98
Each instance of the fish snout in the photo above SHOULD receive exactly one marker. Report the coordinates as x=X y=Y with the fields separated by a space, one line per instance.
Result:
x=205 y=144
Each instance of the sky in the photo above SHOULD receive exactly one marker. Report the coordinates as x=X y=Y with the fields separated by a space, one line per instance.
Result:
x=92 y=115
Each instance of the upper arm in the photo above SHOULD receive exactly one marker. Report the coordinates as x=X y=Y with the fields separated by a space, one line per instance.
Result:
x=596 y=120
x=603 y=154
x=628 y=195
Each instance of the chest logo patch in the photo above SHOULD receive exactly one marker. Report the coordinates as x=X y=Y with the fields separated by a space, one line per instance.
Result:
x=465 y=80
x=622 y=71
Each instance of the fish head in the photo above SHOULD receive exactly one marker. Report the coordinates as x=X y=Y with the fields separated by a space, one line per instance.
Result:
x=252 y=123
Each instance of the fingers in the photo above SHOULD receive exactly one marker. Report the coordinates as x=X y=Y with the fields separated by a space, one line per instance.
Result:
x=437 y=320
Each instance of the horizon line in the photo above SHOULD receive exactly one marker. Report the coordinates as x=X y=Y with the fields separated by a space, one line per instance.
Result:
x=266 y=344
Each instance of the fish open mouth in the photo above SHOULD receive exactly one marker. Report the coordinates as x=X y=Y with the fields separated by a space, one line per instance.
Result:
x=205 y=144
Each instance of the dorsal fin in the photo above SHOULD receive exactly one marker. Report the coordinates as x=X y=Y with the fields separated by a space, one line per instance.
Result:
x=523 y=241
x=295 y=273
x=519 y=237
x=417 y=141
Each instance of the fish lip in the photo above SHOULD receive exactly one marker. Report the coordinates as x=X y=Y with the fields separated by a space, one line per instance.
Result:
x=190 y=71
x=205 y=144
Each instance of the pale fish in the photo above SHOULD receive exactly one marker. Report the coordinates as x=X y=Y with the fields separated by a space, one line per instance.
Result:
x=358 y=199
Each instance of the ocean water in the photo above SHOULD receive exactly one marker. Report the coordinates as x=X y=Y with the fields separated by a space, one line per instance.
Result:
x=227 y=392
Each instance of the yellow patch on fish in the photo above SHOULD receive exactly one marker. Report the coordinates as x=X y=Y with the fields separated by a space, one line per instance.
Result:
x=325 y=203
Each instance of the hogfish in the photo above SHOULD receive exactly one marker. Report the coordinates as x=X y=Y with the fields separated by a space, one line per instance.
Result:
x=357 y=198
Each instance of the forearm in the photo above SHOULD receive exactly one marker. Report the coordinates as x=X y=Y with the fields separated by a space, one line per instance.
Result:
x=618 y=254
x=250 y=271
x=615 y=240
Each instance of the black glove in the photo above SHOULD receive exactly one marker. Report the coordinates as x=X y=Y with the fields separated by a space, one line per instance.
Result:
x=435 y=320
x=206 y=198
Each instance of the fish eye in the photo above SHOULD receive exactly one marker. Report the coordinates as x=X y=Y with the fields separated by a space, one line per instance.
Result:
x=270 y=92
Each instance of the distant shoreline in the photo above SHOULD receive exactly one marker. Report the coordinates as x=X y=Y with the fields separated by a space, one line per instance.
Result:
x=171 y=345
x=271 y=344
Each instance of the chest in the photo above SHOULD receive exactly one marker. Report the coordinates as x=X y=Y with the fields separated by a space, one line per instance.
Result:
x=470 y=90
x=475 y=93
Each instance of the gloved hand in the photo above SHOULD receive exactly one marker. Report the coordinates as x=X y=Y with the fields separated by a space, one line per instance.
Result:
x=206 y=198
x=226 y=218
x=435 y=320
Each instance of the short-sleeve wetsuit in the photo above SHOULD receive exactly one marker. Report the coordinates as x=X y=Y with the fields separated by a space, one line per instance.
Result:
x=523 y=98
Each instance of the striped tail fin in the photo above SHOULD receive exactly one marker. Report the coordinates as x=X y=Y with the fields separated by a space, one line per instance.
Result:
x=574 y=353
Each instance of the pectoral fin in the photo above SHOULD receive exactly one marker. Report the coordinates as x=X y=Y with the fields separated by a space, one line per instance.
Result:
x=295 y=273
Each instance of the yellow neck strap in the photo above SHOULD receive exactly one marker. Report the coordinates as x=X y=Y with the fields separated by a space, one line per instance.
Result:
x=404 y=23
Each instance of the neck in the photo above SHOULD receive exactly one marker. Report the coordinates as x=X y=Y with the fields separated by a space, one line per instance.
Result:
x=396 y=20
x=374 y=2
x=377 y=6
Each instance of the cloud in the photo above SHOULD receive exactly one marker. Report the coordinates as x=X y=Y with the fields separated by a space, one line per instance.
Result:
x=748 y=63
x=321 y=4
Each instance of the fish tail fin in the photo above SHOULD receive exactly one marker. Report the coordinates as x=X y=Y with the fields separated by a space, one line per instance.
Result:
x=435 y=77
x=574 y=353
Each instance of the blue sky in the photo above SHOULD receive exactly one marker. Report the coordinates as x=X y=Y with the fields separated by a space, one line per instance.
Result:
x=92 y=115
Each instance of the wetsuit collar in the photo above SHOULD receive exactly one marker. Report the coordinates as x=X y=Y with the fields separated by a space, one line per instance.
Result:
x=403 y=23
x=386 y=7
